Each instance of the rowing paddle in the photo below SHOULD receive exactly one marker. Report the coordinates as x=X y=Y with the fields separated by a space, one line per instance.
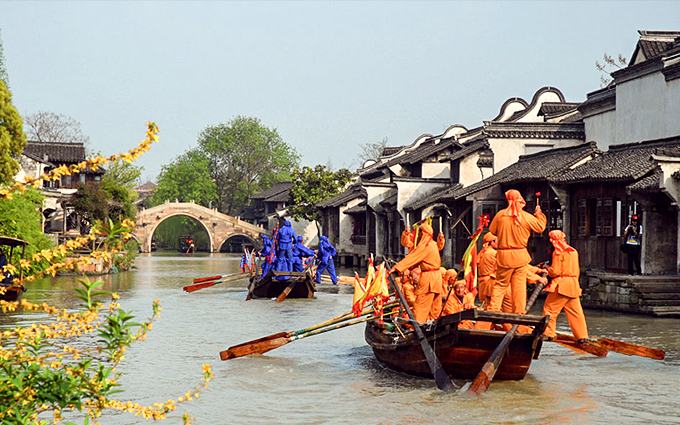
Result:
x=263 y=345
x=623 y=347
x=211 y=278
x=282 y=296
x=196 y=287
x=440 y=377
x=485 y=376
x=588 y=347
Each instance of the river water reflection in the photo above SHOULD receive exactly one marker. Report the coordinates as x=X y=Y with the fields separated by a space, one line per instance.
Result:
x=333 y=378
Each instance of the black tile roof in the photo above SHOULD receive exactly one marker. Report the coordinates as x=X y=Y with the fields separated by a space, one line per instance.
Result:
x=56 y=153
x=543 y=165
x=648 y=184
x=435 y=197
x=277 y=189
x=621 y=163
x=352 y=192
x=469 y=147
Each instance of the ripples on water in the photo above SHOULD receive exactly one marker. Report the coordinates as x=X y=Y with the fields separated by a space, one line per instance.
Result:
x=333 y=378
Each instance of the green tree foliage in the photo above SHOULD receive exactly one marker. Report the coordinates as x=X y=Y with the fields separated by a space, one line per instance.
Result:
x=185 y=179
x=124 y=174
x=20 y=217
x=313 y=185
x=245 y=158
x=12 y=136
x=168 y=232
x=90 y=202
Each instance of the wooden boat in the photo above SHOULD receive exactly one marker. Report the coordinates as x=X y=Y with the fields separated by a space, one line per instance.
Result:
x=462 y=352
x=269 y=287
x=13 y=292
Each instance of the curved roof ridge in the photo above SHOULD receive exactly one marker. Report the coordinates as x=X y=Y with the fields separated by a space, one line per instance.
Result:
x=507 y=103
x=536 y=97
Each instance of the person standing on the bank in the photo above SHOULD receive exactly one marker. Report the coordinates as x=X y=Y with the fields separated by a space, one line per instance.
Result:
x=564 y=291
x=633 y=236
x=512 y=227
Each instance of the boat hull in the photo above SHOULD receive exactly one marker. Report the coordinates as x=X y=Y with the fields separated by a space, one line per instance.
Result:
x=462 y=352
x=271 y=287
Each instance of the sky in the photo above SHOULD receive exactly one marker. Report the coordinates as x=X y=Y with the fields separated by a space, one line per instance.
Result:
x=328 y=76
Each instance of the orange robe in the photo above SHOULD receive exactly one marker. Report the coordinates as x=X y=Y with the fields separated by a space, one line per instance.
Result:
x=564 y=293
x=455 y=305
x=426 y=256
x=512 y=257
x=406 y=240
x=486 y=273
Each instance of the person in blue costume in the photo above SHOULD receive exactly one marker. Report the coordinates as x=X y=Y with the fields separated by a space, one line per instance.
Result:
x=267 y=252
x=284 y=252
x=300 y=251
x=325 y=254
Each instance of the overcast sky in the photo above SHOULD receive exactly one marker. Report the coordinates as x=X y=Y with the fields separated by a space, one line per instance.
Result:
x=328 y=76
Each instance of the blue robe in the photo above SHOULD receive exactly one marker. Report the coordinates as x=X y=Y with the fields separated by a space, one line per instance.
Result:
x=299 y=252
x=325 y=254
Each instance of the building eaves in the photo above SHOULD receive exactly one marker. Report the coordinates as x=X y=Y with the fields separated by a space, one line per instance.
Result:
x=357 y=209
x=621 y=163
x=56 y=153
x=424 y=200
x=521 y=130
x=436 y=196
x=426 y=150
x=544 y=165
x=352 y=192
x=648 y=184
x=274 y=190
x=470 y=147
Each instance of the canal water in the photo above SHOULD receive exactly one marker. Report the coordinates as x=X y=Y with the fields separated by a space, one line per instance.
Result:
x=333 y=378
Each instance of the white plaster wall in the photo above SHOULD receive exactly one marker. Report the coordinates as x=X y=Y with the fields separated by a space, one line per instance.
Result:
x=346 y=229
x=408 y=191
x=469 y=171
x=507 y=151
x=306 y=229
x=432 y=170
x=647 y=108
x=601 y=129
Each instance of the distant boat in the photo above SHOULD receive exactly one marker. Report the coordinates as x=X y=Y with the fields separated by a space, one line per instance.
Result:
x=13 y=291
x=186 y=244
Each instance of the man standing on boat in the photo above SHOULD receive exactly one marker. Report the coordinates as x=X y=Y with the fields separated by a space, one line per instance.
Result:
x=300 y=251
x=513 y=226
x=267 y=252
x=284 y=252
x=564 y=291
x=426 y=256
x=325 y=255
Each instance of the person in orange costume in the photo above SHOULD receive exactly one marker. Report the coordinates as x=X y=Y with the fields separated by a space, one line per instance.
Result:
x=408 y=283
x=486 y=268
x=461 y=299
x=513 y=226
x=564 y=289
x=407 y=242
x=426 y=256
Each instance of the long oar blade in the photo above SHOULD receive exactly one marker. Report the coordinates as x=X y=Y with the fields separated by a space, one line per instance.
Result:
x=282 y=296
x=631 y=349
x=192 y=288
x=206 y=279
x=589 y=348
x=254 y=348
x=264 y=338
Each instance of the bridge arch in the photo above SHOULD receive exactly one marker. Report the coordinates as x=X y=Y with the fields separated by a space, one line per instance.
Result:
x=218 y=226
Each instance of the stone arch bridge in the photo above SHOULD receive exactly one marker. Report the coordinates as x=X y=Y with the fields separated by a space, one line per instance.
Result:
x=220 y=227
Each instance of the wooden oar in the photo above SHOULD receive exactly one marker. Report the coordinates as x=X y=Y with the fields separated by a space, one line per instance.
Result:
x=622 y=347
x=485 y=376
x=569 y=341
x=211 y=278
x=345 y=280
x=440 y=377
x=196 y=287
x=264 y=345
x=282 y=296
